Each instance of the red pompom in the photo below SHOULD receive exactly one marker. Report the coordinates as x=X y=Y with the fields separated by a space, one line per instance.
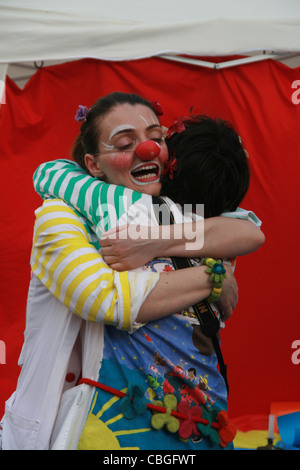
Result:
x=227 y=431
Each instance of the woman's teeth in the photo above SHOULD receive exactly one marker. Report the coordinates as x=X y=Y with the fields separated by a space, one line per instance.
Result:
x=145 y=174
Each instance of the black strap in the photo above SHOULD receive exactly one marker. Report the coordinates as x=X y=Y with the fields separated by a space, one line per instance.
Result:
x=208 y=321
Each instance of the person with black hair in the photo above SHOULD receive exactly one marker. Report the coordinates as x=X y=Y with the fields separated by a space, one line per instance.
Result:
x=211 y=165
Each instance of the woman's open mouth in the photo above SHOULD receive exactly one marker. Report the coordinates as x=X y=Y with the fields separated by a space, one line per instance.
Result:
x=145 y=173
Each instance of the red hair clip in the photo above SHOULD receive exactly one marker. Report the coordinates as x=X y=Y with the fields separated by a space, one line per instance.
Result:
x=170 y=167
x=180 y=124
x=157 y=107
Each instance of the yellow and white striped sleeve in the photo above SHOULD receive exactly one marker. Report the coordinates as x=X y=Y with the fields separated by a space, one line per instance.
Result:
x=73 y=270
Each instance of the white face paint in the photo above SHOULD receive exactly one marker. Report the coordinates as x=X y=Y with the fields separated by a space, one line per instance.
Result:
x=107 y=146
x=146 y=121
x=116 y=130
x=120 y=128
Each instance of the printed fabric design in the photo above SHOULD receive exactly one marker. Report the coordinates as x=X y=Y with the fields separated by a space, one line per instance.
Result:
x=160 y=360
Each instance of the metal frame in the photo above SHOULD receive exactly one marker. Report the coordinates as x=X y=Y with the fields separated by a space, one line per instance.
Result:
x=230 y=63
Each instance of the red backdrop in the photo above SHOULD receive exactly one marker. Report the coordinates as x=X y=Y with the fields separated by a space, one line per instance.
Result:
x=37 y=124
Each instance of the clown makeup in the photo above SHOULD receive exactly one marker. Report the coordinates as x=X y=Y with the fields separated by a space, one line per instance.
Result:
x=107 y=146
x=123 y=129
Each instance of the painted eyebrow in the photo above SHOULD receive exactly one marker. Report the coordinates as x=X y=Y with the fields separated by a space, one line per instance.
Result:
x=120 y=129
x=125 y=129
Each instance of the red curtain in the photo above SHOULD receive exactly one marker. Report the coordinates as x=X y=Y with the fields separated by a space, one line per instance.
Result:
x=37 y=124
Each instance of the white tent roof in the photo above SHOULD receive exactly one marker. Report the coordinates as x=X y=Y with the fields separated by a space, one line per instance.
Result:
x=129 y=29
x=53 y=30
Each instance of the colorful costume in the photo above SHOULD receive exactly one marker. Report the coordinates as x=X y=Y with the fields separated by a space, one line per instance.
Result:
x=69 y=275
x=153 y=363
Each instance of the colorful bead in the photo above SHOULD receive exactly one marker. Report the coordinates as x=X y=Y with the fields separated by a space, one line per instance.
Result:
x=217 y=275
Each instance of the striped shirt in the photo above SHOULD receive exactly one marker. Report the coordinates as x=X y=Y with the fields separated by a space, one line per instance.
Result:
x=66 y=260
x=101 y=204
x=106 y=205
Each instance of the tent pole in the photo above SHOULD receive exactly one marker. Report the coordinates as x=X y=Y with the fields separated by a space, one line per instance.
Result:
x=229 y=63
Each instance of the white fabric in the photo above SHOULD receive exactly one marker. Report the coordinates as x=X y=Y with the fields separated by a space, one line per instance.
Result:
x=76 y=401
x=117 y=30
x=53 y=418
x=29 y=417
x=48 y=410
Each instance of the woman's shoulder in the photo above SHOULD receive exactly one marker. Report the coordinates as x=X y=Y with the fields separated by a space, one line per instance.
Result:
x=54 y=205
x=57 y=212
x=56 y=216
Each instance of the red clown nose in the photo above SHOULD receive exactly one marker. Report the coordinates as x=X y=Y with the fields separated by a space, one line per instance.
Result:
x=147 y=150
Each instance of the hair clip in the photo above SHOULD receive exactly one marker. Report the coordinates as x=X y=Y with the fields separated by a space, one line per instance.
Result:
x=81 y=113
x=157 y=107
x=170 y=166
x=180 y=124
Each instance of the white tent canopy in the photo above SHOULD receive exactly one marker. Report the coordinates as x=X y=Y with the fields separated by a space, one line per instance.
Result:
x=130 y=29
x=56 y=30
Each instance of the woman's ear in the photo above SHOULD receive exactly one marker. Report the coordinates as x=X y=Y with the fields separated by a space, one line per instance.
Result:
x=93 y=165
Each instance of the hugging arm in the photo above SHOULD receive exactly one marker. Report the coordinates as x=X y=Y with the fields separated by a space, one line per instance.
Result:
x=218 y=237
x=104 y=206
x=73 y=270
x=96 y=202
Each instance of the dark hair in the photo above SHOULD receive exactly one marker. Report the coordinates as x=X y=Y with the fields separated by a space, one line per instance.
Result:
x=212 y=167
x=88 y=139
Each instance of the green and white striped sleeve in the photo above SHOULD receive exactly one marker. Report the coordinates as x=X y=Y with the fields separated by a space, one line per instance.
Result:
x=103 y=205
x=73 y=270
x=100 y=203
x=244 y=214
